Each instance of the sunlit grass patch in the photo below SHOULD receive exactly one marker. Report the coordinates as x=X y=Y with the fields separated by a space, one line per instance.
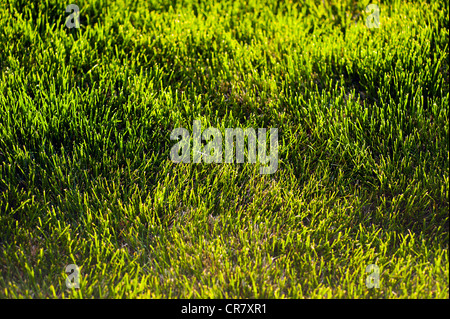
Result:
x=85 y=170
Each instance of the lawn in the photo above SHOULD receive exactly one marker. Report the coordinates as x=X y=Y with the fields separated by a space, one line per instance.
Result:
x=358 y=206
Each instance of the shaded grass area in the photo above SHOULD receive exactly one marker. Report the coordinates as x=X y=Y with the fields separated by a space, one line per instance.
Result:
x=86 y=178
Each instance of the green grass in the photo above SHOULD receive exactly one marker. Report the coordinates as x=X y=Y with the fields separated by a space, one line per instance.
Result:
x=86 y=177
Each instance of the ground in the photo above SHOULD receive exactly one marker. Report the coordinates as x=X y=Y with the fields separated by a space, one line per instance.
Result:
x=359 y=204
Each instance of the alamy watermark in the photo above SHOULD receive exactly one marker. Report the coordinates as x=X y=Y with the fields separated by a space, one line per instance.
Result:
x=373 y=19
x=373 y=279
x=73 y=20
x=73 y=277
x=212 y=151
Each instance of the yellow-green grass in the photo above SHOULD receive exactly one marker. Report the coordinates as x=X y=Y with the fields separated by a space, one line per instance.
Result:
x=85 y=170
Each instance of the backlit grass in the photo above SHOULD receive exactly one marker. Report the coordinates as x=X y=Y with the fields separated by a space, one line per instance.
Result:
x=86 y=177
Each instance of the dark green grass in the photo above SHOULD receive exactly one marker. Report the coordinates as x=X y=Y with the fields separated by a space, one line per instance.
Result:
x=86 y=177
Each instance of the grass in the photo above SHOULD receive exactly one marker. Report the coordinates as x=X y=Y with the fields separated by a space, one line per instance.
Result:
x=86 y=176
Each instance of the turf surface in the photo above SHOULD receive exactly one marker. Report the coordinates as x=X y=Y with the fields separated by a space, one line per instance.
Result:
x=86 y=177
